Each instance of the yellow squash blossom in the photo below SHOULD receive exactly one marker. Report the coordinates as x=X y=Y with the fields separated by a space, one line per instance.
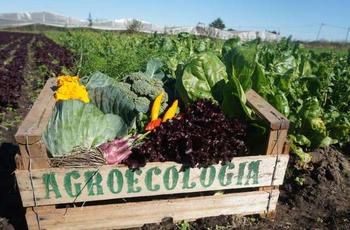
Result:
x=70 y=88
x=67 y=79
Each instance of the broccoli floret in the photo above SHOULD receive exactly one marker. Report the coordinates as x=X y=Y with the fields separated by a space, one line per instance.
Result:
x=142 y=104
x=144 y=86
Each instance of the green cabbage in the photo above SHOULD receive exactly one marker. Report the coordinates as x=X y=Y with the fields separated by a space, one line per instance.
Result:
x=77 y=124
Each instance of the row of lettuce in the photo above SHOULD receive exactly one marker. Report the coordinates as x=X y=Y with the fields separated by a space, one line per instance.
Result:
x=310 y=89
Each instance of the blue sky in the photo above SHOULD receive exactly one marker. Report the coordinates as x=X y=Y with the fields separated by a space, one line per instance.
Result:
x=298 y=18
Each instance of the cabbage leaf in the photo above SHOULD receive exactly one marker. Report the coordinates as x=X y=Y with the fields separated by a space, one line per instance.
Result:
x=77 y=124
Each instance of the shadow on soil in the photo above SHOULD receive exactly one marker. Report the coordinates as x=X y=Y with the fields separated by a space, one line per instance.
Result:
x=10 y=200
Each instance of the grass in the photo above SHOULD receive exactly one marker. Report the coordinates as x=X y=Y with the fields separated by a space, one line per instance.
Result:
x=340 y=48
x=119 y=53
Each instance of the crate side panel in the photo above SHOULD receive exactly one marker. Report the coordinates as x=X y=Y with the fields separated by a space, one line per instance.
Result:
x=136 y=214
x=34 y=156
x=266 y=111
x=61 y=185
x=276 y=142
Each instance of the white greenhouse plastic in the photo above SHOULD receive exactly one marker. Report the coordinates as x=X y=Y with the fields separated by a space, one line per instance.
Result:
x=51 y=19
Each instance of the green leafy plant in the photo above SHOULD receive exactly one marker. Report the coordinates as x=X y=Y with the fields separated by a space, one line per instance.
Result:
x=76 y=124
x=202 y=78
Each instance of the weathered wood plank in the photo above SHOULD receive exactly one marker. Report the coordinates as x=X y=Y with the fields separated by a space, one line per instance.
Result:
x=61 y=185
x=276 y=141
x=36 y=153
x=266 y=111
x=36 y=120
x=136 y=214
x=286 y=147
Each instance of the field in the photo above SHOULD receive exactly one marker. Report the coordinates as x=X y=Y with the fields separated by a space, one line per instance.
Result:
x=307 y=83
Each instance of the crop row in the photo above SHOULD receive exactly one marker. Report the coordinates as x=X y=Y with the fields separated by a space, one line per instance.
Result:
x=13 y=59
x=51 y=55
x=7 y=37
x=11 y=75
x=5 y=52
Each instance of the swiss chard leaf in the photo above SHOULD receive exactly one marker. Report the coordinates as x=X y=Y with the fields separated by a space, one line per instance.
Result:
x=240 y=62
x=202 y=78
x=230 y=44
x=280 y=102
x=234 y=102
x=260 y=83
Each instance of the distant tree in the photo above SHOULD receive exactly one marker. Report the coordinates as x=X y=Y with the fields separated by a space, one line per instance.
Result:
x=134 y=26
x=230 y=29
x=218 y=23
x=90 y=20
x=273 y=32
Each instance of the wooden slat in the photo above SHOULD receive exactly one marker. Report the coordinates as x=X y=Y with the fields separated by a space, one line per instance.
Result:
x=35 y=152
x=243 y=168
x=286 y=148
x=276 y=141
x=36 y=120
x=136 y=214
x=275 y=119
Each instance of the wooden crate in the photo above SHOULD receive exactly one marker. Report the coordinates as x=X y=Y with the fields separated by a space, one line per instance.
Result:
x=115 y=197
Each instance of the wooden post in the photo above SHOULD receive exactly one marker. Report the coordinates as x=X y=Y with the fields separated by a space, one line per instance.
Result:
x=29 y=137
x=277 y=140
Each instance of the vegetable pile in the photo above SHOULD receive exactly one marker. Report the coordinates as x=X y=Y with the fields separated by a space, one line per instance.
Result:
x=201 y=136
x=99 y=111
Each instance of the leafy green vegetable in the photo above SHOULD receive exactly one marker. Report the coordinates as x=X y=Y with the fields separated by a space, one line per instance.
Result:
x=260 y=82
x=202 y=78
x=240 y=62
x=229 y=44
x=234 y=103
x=153 y=69
x=280 y=102
x=143 y=86
x=114 y=97
x=205 y=77
x=76 y=124
x=126 y=99
x=304 y=157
